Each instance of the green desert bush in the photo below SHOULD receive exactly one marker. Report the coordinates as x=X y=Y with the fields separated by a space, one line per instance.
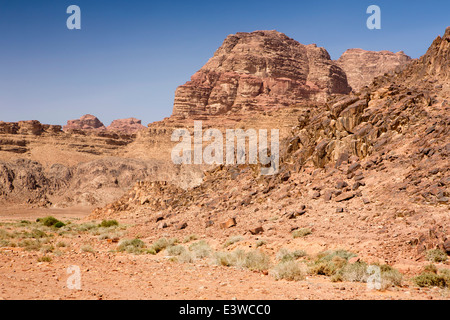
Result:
x=50 y=222
x=430 y=279
x=109 y=224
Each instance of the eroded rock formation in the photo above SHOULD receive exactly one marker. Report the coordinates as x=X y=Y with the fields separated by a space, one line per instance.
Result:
x=363 y=66
x=130 y=125
x=259 y=70
x=86 y=122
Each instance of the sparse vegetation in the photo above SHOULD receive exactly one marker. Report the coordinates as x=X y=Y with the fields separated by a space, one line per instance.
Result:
x=285 y=255
x=300 y=233
x=44 y=259
x=109 y=223
x=335 y=265
x=190 y=238
x=87 y=248
x=253 y=260
x=329 y=262
x=135 y=246
x=201 y=249
x=161 y=244
x=436 y=255
x=30 y=245
x=260 y=243
x=175 y=250
x=61 y=244
x=257 y=260
x=288 y=270
x=47 y=248
x=233 y=240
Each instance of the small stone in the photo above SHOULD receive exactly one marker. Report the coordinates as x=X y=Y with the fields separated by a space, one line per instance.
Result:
x=162 y=225
x=256 y=230
x=345 y=196
x=353 y=167
x=442 y=200
x=340 y=184
x=339 y=210
x=447 y=246
x=357 y=184
x=328 y=194
x=182 y=226
x=228 y=224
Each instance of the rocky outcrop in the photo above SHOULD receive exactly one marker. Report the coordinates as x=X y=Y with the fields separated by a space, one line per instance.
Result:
x=86 y=122
x=259 y=70
x=129 y=126
x=434 y=66
x=363 y=66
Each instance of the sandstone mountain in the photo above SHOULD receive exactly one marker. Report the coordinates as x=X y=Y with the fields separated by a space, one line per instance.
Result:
x=371 y=170
x=259 y=70
x=130 y=125
x=86 y=122
x=362 y=66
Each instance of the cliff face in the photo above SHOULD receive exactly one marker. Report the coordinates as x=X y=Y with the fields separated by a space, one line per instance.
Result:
x=363 y=66
x=260 y=70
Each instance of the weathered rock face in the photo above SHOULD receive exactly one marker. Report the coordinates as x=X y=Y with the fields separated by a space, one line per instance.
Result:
x=363 y=66
x=86 y=122
x=129 y=126
x=260 y=70
x=435 y=64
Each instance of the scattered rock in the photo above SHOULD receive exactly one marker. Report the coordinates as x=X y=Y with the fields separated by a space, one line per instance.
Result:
x=256 y=230
x=228 y=224
x=344 y=196
x=182 y=226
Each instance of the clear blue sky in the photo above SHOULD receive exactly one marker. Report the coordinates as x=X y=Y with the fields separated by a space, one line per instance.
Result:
x=130 y=56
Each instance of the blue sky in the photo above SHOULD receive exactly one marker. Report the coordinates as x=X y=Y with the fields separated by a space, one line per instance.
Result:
x=129 y=56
